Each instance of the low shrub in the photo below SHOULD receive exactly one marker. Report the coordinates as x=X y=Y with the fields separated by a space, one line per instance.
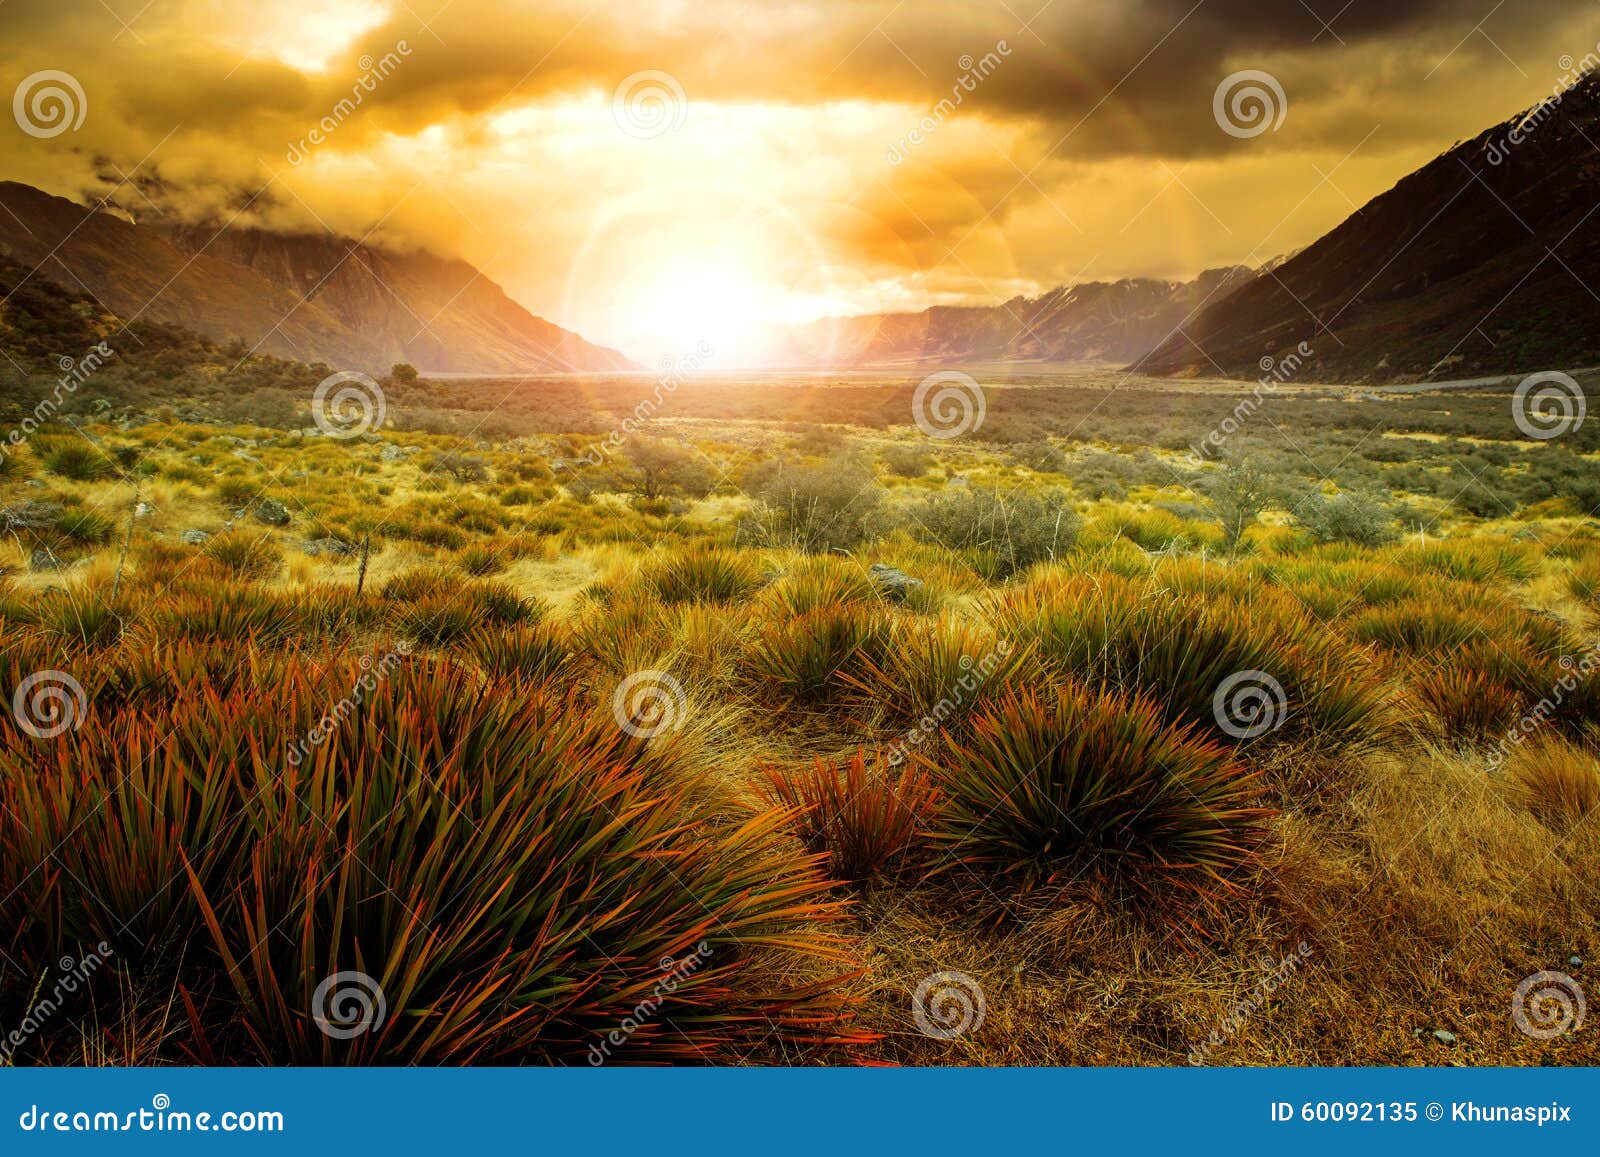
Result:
x=868 y=821
x=245 y=555
x=1049 y=778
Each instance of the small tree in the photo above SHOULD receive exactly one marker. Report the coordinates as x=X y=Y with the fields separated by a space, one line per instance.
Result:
x=655 y=468
x=1238 y=493
x=403 y=374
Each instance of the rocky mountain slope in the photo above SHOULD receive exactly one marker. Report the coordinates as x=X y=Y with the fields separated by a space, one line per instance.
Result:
x=312 y=298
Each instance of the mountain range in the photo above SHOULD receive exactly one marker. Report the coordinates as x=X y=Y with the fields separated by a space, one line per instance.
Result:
x=1484 y=261
x=308 y=297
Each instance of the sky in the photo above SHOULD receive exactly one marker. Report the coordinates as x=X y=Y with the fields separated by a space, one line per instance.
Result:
x=657 y=175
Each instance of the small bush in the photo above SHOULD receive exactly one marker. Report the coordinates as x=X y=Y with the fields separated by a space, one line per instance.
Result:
x=1046 y=778
x=245 y=555
x=1009 y=531
x=816 y=509
x=1347 y=517
x=907 y=461
x=868 y=822
x=1558 y=782
x=79 y=462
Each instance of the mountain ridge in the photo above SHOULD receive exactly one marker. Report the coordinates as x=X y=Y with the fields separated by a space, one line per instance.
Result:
x=310 y=297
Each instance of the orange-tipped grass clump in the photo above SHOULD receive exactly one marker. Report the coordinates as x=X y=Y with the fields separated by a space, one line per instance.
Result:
x=1558 y=781
x=705 y=575
x=493 y=858
x=806 y=658
x=1192 y=656
x=869 y=820
x=1060 y=781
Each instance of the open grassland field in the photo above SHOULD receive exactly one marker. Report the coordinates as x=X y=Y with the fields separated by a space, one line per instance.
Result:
x=1142 y=723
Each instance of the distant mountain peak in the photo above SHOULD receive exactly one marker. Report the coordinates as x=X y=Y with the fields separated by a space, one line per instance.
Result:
x=312 y=297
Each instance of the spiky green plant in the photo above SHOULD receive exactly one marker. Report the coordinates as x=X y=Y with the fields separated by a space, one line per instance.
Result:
x=705 y=575
x=245 y=554
x=1188 y=655
x=803 y=658
x=534 y=652
x=869 y=820
x=1048 y=779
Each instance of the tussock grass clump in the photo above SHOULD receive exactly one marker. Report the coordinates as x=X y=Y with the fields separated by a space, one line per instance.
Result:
x=84 y=527
x=1191 y=656
x=245 y=555
x=78 y=461
x=505 y=912
x=1469 y=703
x=533 y=653
x=802 y=658
x=1048 y=777
x=1557 y=781
x=418 y=583
x=481 y=560
x=705 y=575
x=940 y=669
x=1476 y=560
x=224 y=613
x=1583 y=581
x=83 y=619
x=867 y=820
x=818 y=582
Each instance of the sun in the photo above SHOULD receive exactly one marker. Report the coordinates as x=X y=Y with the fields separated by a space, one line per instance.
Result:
x=699 y=301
